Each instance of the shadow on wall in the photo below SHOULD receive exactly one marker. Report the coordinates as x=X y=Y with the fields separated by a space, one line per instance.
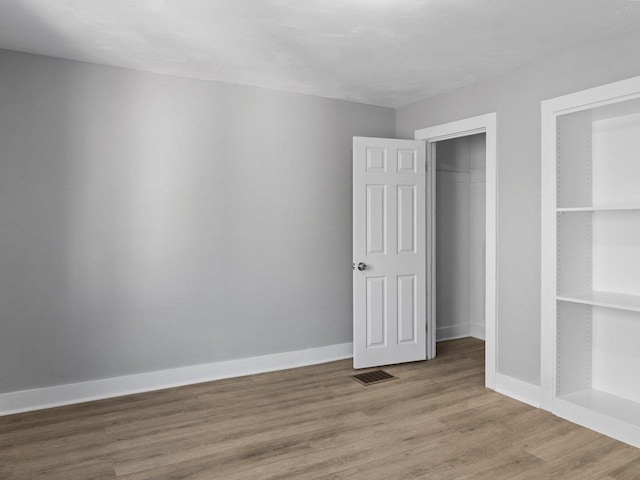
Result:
x=101 y=182
x=36 y=139
x=101 y=186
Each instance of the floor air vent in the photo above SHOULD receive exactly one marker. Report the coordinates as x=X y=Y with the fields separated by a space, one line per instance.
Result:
x=375 y=376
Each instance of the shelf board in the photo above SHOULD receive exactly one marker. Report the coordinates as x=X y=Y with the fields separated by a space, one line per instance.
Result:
x=598 y=209
x=606 y=413
x=603 y=299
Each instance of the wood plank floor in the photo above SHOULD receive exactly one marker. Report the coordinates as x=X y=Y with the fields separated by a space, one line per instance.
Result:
x=436 y=421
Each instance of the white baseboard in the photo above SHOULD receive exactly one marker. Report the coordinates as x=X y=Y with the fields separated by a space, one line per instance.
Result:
x=454 y=177
x=452 y=332
x=604 y=423
x=478 y=175
x=48 y=397
x=522 y=391
x=477 y=331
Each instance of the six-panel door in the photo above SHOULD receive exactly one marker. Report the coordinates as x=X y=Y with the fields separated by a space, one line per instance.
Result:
x=389 y=210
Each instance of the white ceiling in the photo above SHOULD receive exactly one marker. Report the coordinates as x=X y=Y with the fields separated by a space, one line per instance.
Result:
x=381 y=52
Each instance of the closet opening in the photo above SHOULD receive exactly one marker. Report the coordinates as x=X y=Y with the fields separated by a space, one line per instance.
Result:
x=460 y=237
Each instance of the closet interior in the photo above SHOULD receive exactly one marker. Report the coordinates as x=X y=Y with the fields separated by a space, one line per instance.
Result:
x=460 y=237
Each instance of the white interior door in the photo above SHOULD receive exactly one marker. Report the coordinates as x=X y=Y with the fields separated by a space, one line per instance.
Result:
x=389 y=251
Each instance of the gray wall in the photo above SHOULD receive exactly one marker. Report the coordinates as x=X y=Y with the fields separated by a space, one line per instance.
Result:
x=151 y=222
x=516 y=98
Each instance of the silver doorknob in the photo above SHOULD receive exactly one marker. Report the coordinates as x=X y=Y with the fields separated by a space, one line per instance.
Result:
x=361 y=266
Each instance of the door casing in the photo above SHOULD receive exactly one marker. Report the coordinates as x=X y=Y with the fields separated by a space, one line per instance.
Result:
x=469 y=126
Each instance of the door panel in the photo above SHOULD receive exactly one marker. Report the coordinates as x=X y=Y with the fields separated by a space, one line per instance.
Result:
x=407 y=220
x=389 y=218
x=407 y=311
x=376 y=219
x=376 y=312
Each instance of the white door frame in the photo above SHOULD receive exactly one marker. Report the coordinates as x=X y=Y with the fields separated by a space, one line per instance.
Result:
x=469 y=126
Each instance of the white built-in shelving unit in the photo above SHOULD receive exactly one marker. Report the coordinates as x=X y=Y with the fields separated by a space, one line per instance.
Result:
x=591 y=258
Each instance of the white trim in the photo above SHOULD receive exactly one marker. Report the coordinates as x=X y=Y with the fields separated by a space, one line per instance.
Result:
x=447 y=131
x=599 y=96
x=454 y=177
x=40 y=398
x=452 y=332
x=478 y=175
x=481 y=124
x=550 y=110
x=518 y=389
x=608 y=94
x=477 y=331
x=600 y=422
x=548 y=253
x=431 y=203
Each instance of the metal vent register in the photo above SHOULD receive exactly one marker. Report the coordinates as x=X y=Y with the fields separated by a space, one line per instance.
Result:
x=375 y=376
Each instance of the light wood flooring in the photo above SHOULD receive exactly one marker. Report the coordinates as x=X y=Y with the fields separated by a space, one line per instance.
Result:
x=436 y=422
